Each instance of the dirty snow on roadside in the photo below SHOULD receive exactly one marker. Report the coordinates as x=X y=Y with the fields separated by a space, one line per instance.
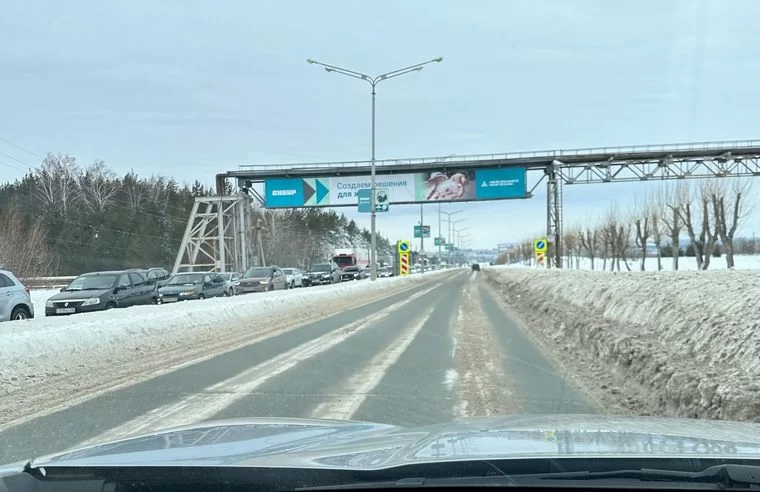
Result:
x=687 y=342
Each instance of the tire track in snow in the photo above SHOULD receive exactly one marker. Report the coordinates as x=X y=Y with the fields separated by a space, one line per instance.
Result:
x=203 y=405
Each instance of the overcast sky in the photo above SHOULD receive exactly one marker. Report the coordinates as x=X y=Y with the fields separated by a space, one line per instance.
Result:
x=188 y=89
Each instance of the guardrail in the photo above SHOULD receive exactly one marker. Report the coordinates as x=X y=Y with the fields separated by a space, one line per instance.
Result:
x=46 y=282
x=726 y=145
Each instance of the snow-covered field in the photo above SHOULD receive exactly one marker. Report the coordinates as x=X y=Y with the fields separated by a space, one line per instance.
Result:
x=98 y=349
x=685 y=263
x=677 y=343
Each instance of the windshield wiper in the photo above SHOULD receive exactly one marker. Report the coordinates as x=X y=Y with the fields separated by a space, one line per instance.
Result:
x=720 y=476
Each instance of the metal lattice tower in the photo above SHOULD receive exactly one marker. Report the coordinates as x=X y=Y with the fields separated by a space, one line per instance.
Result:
x=218 y=236
x=554 y=214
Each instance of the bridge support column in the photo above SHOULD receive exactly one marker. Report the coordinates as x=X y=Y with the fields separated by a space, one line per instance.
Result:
x=554 y=215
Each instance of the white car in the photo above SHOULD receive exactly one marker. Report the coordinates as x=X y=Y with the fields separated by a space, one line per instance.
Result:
x=231 y=282
x=15 y=302
x=293 y=277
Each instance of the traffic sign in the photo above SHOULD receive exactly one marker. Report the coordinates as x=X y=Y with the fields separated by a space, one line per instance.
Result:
x=540 y=245
x=422 y=231
x=364 y=197
x=403 y=246
x=439 y=241
x=381 y=201
x=403 y=264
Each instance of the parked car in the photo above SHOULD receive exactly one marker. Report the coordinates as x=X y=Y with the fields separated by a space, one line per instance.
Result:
x=157 y=276
x=293 y=277
x=385 y=272
x=99 y=291
x=15 y=302
x=324 y=273
x=262 y=279
x=352 y=273
x=192 y=285
x=231 y=282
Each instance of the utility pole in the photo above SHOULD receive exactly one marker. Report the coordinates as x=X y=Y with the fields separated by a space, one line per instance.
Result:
x=422 y=241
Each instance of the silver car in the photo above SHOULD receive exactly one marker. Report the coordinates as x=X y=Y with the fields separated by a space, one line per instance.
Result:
x=15 y=302
x=231 y=282
x=293 y=277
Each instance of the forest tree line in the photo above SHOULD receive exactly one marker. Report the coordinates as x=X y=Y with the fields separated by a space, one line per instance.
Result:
x=64 y=219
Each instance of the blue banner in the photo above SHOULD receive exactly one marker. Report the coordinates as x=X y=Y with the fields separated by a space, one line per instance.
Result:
x=499 y=183
x=286 y=193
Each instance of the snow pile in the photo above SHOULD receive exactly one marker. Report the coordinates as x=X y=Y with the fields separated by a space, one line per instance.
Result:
x=686 y=263
x=45 y=344
x=687 y=342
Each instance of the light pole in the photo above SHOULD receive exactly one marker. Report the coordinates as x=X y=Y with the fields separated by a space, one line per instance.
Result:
x=451 y=223
x=373 y=81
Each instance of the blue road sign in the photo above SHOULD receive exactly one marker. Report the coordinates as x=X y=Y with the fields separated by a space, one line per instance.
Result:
x=365 y=200
x=403 y=246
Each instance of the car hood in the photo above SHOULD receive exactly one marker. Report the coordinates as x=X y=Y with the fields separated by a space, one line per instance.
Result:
x=74 y=295
x=315 y=274
x=306 y=443
x=175 y=289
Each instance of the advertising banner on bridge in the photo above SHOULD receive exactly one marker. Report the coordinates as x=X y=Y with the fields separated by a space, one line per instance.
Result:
x=342 y=191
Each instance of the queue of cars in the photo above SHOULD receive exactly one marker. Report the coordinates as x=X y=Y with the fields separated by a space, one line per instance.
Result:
x=101 y=291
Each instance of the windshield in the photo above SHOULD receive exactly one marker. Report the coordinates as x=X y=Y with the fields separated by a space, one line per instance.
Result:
x=521 y=212
x=258 y=272
x=93 y=282
x=186 y=279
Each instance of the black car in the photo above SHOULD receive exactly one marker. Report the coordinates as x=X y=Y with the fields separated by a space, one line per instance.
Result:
x=324 y=273
x=98 y=291
x=475 y=267
x=156 y=275
x=192 y=285
x=352 y=273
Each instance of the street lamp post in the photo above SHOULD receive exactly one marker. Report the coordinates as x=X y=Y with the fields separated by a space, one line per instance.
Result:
x=373 y=81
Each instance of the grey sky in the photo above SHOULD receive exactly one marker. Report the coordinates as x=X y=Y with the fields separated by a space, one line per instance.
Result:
x=191 y=88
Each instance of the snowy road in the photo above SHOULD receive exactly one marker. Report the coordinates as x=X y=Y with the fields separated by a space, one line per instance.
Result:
x=440 y=350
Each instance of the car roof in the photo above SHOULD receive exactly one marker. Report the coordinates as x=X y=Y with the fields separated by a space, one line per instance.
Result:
x=109 y=272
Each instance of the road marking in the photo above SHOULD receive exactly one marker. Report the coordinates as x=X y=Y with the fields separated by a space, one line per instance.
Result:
x=361 y=384
x=215 y=398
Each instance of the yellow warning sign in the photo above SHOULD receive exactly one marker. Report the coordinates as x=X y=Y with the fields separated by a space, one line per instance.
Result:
x=540 y=245
x=403 y=264
x=404 y=246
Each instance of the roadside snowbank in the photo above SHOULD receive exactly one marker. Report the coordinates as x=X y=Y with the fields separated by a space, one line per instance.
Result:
x=687 y=342
x=46 y=338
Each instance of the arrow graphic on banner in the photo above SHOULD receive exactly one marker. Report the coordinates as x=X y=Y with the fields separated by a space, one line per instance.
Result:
x=315 y=192
x=322 y=191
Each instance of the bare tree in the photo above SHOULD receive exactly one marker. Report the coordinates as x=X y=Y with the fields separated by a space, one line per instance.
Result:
x=57 y=183
x=589 y=239
x=700 y=226
x=572 y=247
x=733 y=202
x=98 y=186
x=23 y=247
x=673 y=198
x=655 y=218
x=641 y=218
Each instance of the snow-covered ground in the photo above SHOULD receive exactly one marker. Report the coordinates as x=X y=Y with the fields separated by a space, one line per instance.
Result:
x=93 y=349
x=687 y=342
x=685 y=263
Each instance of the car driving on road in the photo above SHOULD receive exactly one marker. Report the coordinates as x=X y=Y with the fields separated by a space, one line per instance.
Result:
x=293 y=277
x=15 y=302
x=99 y=291
x=192 y=285
x=262 y=279
x=324 y=273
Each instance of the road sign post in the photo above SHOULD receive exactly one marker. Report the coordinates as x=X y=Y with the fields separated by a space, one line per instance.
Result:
x=403 y=250
x=382 y=203
x=364 y=198
x=540 y=247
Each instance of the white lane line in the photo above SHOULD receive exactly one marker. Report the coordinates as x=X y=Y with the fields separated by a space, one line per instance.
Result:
x=361 y=384
x=203 y=405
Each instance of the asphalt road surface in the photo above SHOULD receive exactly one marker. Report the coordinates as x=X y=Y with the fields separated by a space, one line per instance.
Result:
x=441 y=351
